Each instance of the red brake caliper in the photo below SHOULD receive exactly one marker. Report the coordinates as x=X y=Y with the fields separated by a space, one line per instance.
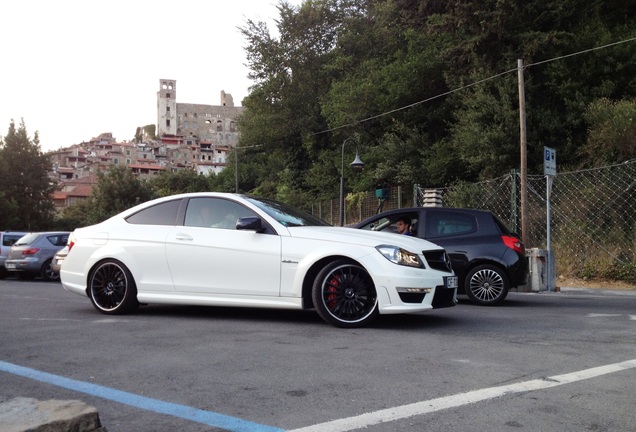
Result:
x=334 y=283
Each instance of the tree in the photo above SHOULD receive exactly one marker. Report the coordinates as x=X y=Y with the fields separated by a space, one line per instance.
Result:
x=26 y=191
x=170 y=183
x=612 y=135
x=117 y=190
x=428 y=88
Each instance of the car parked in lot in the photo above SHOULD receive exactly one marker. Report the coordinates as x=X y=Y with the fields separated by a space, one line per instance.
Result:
x=223 y=249
x=32 y=255
x=58 y=259
x=7 y=239
x=486 y=256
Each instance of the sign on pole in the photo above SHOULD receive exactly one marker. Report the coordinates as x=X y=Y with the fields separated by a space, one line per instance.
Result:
x=549 y=170
x=549 y=161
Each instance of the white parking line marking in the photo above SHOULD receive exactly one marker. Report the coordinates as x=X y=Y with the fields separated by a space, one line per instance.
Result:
x=433 y=405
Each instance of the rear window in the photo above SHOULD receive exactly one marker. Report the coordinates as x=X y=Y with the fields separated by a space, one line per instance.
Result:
x=446 y=224
x=27 y=239
x=9 y=239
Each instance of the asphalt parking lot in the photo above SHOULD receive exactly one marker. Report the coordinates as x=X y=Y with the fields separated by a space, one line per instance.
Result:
x=550 y=361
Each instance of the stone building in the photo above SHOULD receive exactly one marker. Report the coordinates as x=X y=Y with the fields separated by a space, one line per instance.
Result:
x=212 y=125
x=189 y=136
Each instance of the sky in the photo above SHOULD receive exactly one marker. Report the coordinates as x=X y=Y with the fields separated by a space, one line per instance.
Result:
x=72 y=69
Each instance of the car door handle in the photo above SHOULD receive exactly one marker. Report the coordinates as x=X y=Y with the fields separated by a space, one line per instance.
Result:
x=183 y=237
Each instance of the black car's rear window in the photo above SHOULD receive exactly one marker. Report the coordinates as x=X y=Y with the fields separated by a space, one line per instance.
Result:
x=449 y=223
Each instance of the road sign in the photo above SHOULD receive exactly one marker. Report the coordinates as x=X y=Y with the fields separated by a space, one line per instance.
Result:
x=549 y=161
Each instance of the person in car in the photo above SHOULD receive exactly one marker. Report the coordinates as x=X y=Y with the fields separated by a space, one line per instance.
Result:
x=404 y=226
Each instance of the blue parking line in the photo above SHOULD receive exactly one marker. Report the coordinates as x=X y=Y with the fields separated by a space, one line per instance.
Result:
x=225 y=422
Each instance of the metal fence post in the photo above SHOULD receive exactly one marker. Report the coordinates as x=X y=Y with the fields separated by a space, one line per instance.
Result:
x=514 y=208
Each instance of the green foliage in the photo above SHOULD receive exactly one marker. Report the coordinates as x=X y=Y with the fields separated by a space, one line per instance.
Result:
x=611 y=270
x=612 y=133
x=74 y=216
x=117 y=190
x=429 y=89
x=25 y=190
x=183 y=181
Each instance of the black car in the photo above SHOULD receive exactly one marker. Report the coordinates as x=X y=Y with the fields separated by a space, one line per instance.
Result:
x=486 y=256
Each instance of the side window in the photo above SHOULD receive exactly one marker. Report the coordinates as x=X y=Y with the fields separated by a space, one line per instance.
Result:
x=215 y=213
x=445 y=224
x=58 y=240
x=377 y=225
x=160 y=214
x=390 y=225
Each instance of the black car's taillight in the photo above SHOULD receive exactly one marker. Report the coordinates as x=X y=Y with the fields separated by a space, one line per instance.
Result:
x=513 y=243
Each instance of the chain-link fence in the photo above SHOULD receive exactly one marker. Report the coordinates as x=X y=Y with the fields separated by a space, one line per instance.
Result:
x=361 y=205
x=592 y=214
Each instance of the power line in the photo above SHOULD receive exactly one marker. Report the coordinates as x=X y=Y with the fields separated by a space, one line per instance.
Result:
x=581 y=52
x=471 y=85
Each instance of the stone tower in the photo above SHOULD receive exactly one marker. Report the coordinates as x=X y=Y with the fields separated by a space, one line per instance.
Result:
x=167 y=107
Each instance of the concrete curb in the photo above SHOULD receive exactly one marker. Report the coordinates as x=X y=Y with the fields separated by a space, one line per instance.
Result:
x=30 y=415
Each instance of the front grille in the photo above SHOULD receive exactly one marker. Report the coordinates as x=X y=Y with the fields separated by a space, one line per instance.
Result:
x=444 y=297
x=438 y=260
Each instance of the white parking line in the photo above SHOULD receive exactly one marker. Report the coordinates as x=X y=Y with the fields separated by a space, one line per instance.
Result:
x=429 y=406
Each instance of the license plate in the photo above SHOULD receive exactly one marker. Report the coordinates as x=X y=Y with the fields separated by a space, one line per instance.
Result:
x=450 y=281
x=9 y=266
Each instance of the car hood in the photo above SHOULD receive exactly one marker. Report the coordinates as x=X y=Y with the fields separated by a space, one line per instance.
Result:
x=361 y=237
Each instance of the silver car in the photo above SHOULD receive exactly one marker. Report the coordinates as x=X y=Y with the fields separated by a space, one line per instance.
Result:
x=32 y=255
x=7 y=239
x=58 y=259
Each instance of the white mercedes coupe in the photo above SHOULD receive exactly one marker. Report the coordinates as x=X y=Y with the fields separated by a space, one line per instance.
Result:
x=221 y=249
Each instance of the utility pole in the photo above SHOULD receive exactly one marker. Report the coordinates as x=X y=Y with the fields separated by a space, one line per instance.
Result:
x=524 y=151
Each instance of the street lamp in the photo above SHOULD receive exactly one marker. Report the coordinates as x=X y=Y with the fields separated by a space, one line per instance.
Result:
x=357 y=163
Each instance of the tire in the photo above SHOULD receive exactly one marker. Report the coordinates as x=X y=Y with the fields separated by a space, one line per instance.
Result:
x=112 y=289
x=486 y=285
x=47 y=273
x=344 y=295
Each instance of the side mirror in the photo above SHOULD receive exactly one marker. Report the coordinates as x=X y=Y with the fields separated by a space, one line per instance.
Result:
x=250 y=224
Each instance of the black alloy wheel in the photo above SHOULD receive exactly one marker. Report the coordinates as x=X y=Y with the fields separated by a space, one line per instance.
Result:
x=112 y=288
x=47 y=273
x=344 y=295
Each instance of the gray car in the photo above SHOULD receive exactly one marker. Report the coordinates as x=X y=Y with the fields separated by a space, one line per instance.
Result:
x=32 y=255
x=7 y=239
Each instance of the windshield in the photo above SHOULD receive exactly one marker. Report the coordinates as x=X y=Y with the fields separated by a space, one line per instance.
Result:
x=284 y=214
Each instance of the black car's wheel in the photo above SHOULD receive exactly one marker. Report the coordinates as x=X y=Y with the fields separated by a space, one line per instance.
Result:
x=486 y=285
x=344 y=295
x=47 y=273
x=112 y=288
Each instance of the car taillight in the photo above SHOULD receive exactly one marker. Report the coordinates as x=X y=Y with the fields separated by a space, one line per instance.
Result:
x=71 y=243
x=30 y=251
x=513 y=243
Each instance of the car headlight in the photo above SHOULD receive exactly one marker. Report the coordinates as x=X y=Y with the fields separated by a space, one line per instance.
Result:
x=399 y=256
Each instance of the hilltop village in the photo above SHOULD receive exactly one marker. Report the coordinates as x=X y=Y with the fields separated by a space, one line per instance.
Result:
x=188 y=136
